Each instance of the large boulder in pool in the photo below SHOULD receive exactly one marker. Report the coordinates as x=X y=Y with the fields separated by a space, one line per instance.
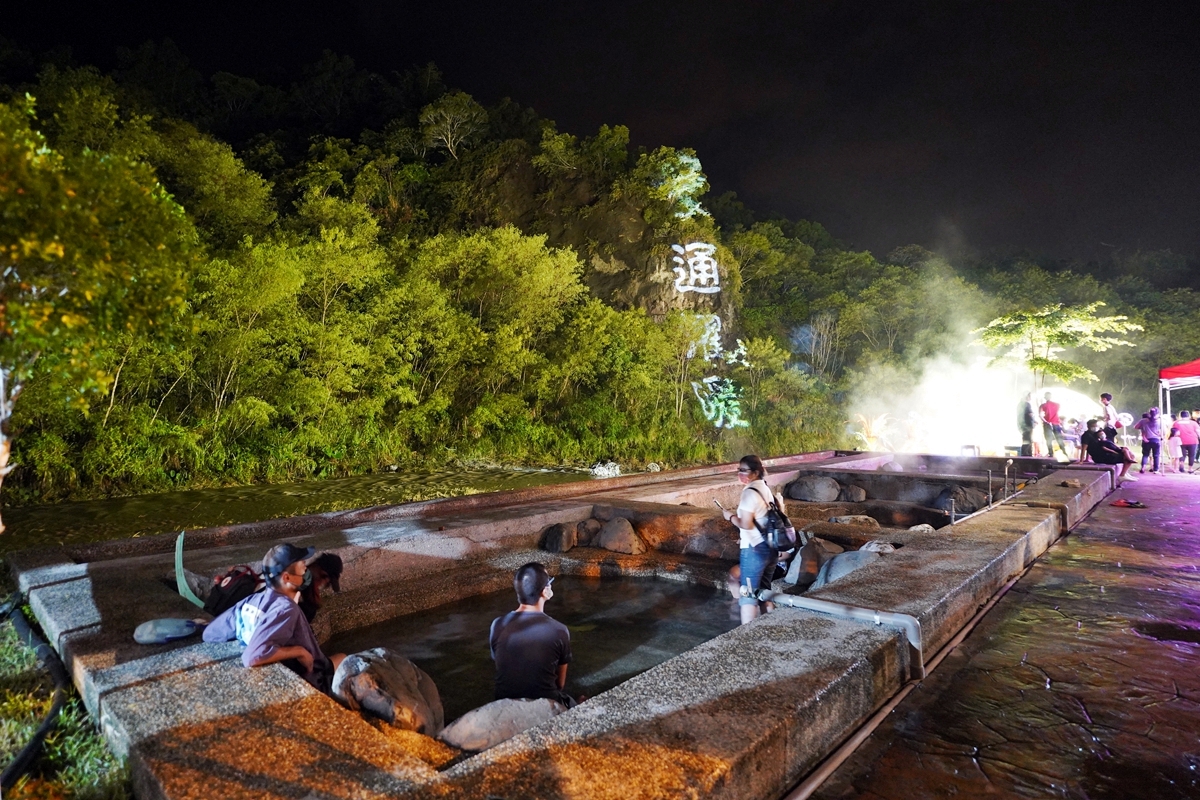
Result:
x=675 y=528
x=842 y=565
x=389 y=686
x=558 y=538
x=488 y=726
x=587 y=530
x=966 y=500
x=619 y=536
x=853 y=494
x=808 y=562
x=814 y=489
x=861 y=520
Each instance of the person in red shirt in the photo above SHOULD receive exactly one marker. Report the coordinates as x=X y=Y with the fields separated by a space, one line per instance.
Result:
x=1052 y=426
x=1189 y=438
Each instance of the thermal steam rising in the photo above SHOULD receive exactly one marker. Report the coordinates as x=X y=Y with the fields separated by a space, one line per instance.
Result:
x=954 y=403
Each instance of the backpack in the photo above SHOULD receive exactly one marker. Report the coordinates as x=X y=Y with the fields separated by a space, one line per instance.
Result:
x=778 y=530
x=236 y=584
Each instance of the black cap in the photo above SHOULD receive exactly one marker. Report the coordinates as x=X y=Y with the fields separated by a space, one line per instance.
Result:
x=331 y=565
x=282 y=556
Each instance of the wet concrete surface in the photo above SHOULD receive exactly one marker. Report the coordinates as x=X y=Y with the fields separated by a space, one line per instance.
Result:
x=1082 y=682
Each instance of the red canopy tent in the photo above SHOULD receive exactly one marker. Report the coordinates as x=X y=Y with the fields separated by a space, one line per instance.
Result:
x=1180 y=376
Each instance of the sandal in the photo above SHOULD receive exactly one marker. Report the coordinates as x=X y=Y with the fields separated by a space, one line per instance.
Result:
x=1123 y=503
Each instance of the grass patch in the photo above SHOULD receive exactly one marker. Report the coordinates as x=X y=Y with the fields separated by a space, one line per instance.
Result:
x=75 y=761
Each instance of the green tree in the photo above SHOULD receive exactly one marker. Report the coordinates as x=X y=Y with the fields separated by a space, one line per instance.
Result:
x=91 y=246
x=453 y=122
x=1036 y=338
x=244 y=306
x=669 y=182
x=225 y=200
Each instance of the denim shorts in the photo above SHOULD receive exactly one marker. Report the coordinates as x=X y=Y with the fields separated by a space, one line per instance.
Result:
x=757 y=563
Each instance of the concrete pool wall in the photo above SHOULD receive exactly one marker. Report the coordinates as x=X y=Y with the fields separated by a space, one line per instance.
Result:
x=744 y=715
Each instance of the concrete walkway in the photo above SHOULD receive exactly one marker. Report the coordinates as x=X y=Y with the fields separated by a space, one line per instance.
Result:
x=1082 y=682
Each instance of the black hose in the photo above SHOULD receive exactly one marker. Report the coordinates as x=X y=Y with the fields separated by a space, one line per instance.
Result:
x=46 y=655
x=11 y=603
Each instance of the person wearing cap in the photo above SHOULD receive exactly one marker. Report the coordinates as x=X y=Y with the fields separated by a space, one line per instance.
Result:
x=530 y=648
x=270 y=624
x=324 y=572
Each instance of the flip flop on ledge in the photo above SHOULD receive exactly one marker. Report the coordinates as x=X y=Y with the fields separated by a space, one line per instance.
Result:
x=1123 y=503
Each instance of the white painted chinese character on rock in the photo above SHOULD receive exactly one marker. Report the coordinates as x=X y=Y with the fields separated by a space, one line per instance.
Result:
x=697 y=270
x=709 y=344
x=719 y=401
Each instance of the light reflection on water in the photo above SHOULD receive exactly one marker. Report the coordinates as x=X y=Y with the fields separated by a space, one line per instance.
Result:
x=141 y=515
x=620 y=627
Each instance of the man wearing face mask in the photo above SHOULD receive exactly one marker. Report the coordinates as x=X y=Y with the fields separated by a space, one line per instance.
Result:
x=530 y=648
x=270 y=624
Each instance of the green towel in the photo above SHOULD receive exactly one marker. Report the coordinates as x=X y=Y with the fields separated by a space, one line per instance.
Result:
x=180 y=582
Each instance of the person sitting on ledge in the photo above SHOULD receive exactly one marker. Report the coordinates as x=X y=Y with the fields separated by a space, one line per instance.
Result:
x=1102 y=451
x=270 y=624
x=530 y=648
x=1087 y=438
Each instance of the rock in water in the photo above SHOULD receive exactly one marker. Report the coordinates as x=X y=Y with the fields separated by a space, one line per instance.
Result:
x=843 y=564
x=808 y=562
x=389 y=686
x=558 y=538
x=862 y=520
x=814 y=489
x=966 y=500
x=488 y=726
x=853 y=494
x=619 y=536
x=585 y=531
x=609 y=469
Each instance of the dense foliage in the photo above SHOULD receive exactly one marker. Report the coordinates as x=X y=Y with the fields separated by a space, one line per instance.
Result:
x=378 y=269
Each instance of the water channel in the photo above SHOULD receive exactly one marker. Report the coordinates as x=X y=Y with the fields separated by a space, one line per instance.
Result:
x=620 y=627
x=143 y=515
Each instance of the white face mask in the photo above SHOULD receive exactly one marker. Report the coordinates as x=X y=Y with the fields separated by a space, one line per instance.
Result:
x=289 y=579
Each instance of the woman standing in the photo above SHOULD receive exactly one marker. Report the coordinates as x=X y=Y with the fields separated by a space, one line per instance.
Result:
x=1151 y=430
x=756 y=558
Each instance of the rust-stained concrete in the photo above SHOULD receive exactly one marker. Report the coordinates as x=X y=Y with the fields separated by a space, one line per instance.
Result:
x=1082 y=682
x=741 y=716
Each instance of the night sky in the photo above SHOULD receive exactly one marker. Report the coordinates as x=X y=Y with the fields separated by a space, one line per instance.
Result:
x=1065 y=129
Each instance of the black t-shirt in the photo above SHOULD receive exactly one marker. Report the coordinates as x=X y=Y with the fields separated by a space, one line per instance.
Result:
x=1087 y=439
x=1103 y=451
x=528 y=648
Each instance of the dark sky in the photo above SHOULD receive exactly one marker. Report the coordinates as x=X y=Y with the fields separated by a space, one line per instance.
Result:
x=1063 y=128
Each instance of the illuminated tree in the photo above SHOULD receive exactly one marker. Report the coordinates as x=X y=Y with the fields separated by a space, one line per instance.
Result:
x=453 y=122
x=669 y=181
x=1035 y=338
x=91 y=247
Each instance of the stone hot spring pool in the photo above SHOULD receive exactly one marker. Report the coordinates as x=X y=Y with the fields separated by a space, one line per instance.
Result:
x=619 y=627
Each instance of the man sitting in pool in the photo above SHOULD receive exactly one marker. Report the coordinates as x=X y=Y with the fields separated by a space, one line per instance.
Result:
x=531 y=650
x=270 y=624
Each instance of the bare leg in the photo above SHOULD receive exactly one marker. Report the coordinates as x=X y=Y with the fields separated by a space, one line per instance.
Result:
x=733 y=581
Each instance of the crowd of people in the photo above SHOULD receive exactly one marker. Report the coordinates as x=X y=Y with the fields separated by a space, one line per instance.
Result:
x=1167 y=444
